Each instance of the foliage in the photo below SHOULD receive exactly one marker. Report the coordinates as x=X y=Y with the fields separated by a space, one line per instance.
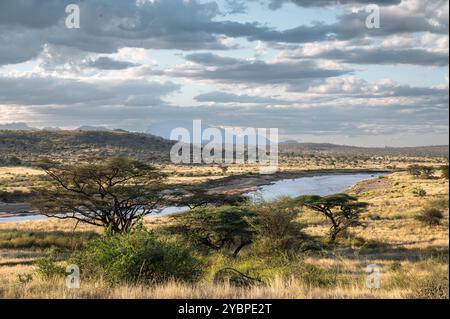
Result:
x=276 y=226
x=194 y=197
x=137 y=257
x=421 y=171
x=48 y=268
x=342 y=210
x=216 y=228
x=114 y=194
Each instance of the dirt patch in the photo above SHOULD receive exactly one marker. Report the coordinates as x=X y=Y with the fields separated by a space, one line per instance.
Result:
x=371 y=185
x=235 y=185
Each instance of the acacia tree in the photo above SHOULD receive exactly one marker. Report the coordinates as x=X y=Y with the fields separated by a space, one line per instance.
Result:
x=113 y=194
x=342 y=210
x=196 y=197
x=215 y=227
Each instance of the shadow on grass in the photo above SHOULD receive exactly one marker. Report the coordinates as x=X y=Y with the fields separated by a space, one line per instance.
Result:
x=17 y=239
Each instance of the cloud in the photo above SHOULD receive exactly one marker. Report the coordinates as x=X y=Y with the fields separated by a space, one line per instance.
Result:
x=64 y=92
x=105 y=63
x=352 y=25
x=184 y=25
x=380 y=55
x=276 y=4
x=224 y=97
x=257 y=71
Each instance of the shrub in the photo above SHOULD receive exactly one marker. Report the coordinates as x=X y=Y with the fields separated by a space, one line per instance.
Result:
x=419 y=192
x=137 y=257
x=430 y=216
x=48 y=268
x=275 y=225
x=421 y=171
x=444 y=171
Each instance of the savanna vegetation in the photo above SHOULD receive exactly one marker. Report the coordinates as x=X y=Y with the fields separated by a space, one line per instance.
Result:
x=104 y=220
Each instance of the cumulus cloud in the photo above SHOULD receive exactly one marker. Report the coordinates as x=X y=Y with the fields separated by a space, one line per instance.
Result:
x=380 y=55
x=111 y=71
x=66 y=92
x=276 y=4
x=224 y=69
x=225 y=97
x=105 y=63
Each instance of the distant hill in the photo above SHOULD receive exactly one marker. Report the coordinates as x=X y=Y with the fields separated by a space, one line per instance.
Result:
x=72 y=145
x=325 y=148
x=23 y=146
x=93 y=129
x=16 y=127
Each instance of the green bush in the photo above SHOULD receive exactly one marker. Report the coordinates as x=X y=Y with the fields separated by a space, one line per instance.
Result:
x=137 y=257
x=48 y=268
x=276 y=226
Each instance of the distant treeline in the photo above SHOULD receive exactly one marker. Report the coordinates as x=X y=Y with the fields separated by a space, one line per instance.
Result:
x=22 y=147
x=312 y=148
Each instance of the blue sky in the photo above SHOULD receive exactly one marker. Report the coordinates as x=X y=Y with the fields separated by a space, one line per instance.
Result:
x=310 y=68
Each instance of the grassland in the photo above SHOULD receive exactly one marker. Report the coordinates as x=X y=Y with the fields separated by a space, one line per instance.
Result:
x=413 y=257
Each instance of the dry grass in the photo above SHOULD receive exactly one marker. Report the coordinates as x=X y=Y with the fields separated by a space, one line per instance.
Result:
x=408 y=253
x=277 y=288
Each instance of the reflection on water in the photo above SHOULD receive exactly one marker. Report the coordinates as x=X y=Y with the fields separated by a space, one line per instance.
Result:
x=316 y=185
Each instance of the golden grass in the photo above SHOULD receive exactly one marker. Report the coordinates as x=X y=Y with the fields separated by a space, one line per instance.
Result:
x=405 y=250
x=277 y=288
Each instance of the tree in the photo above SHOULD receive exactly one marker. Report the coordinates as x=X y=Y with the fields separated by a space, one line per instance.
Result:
x=422 y=171
x=113 y=194
x=216 y=228
x=342 y=210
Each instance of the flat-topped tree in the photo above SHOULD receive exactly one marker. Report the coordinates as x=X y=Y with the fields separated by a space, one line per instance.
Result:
x=342 y=210
x=113 y=194
x=196 y=197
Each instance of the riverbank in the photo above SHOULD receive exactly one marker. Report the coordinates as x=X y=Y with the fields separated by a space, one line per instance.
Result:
x=231 y=185
x=412 y=256
x=241 y=184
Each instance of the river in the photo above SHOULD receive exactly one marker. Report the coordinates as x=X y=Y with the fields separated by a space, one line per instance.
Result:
x=315 y=185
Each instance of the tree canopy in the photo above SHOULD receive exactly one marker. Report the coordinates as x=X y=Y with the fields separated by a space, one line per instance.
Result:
x=216 y=228
x=342 y=210
x=113 y=194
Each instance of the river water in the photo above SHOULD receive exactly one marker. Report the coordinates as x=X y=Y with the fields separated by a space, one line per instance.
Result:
x=315 y=185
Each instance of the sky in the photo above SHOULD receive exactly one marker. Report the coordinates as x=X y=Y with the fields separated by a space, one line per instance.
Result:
x=311 y=68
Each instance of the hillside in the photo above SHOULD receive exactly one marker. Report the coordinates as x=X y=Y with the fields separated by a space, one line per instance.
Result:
x=325 y=148
x=21 y=147
x=24 y=146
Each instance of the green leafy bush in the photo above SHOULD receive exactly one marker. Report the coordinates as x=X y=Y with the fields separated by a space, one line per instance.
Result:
x=48 y=268
x=137 y=257
x=276 y=226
